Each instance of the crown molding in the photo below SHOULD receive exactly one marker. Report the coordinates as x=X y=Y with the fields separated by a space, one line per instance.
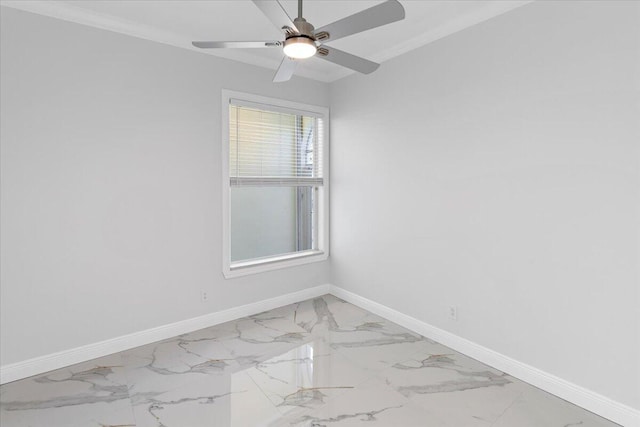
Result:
x=488 y=11
x=68 y=11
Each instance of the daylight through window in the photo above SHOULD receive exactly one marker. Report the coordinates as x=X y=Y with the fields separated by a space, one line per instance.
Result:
x=276 y=183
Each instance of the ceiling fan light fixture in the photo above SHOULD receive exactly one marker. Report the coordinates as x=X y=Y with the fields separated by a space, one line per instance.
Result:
x=299 y=47
x=301 y=36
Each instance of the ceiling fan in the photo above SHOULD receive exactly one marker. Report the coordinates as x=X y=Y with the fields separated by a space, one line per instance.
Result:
x=303 y=41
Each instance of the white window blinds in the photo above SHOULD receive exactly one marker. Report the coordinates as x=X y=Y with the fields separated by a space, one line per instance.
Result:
x=274 y=146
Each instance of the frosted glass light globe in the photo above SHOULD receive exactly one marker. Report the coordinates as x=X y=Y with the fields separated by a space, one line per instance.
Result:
x=299 y=47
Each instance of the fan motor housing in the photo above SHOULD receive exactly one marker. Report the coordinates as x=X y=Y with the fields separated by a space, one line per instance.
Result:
x=304 y=29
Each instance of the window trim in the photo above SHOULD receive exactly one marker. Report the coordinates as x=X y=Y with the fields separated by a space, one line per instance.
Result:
x=259 y=265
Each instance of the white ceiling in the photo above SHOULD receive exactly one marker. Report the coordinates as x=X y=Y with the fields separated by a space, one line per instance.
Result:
x=179 y=22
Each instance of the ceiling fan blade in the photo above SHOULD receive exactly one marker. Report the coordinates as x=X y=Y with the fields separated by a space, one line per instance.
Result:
x=285 y=70
x=348 y=60
x=215 y=45
x=276 y=13
x=376 y=16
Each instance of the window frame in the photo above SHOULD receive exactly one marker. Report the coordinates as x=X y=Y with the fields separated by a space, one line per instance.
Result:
x=259 y=265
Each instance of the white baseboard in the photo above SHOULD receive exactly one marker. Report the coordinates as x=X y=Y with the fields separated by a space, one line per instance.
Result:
x=592 y=401
x=39 y=365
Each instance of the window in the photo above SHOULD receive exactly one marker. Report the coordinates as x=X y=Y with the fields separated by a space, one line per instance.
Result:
x=275 y=192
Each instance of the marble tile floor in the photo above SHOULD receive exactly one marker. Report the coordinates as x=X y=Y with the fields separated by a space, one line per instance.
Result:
x=320 y=362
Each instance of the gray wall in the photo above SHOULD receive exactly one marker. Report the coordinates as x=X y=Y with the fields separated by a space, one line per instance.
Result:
x=495 y=170
x=498 y=170
x=111 y=186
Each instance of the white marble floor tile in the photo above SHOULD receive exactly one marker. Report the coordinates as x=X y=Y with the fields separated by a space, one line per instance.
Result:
x=202 y=402
x=320 y=362
x=93 y=393
x=249 y=405
x=328 y=313
x=376 y=343
x=166 y=366
x=453 y=386
x=369 y=404
x=181 y=355
x=537 y=408
x=258 y=339
x=306 y=376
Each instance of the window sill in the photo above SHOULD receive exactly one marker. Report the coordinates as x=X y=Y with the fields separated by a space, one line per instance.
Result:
x=260 y=265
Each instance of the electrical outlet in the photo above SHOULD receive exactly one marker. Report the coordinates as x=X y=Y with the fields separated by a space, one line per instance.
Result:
x=453 y=313
x=204 y=295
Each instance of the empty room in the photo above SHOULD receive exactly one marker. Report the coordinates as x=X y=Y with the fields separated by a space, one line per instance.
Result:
x=320 y=213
